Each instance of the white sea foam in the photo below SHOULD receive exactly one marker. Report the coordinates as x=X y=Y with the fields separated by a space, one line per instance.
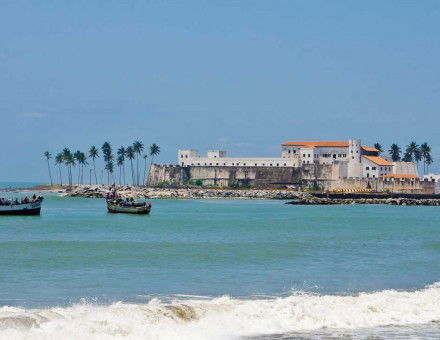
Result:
x=222 y=318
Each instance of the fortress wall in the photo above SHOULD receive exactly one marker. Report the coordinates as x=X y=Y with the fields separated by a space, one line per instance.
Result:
x=258 y=177
x=381 y=185
x=309 y=175
x=172 y=174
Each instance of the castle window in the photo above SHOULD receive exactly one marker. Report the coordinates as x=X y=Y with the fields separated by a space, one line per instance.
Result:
x=304 y=155
x=373 y=168
x=374 y=176
x=198 y=163
x=216 y=163
x=367 y=168
x=244 y=164
x=255 y=164
x=186 y=156
x=232 y=163
x=224 y=163
x=288 y=151
x=210 y=163
x=278 y=164
x=270 y=164
x=285 y=164
x=294 y=151
x=263 y=164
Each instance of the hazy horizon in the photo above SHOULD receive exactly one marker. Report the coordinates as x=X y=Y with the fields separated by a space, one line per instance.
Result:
x=240 y=76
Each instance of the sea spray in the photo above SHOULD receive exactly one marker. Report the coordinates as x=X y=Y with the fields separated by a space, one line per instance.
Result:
x=224 y=317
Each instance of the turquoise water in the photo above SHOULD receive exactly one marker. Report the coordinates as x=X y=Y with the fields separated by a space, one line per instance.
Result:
x=278 y=269
x=15 y=185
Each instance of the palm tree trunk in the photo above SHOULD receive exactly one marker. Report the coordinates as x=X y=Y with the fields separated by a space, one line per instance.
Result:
x=50 y=175
x=123 y=171
x=137 y=170
x=61 y=177
x=132 y=172
x=94 y=170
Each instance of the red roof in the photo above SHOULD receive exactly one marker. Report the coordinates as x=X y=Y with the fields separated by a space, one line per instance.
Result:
x=400 y=176
x=318 y=144
x=379 y=160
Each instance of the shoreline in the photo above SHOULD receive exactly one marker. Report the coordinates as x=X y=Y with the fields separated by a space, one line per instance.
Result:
x=295 y=197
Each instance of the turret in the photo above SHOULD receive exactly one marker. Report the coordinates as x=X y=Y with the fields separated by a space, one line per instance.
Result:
x=354 y=166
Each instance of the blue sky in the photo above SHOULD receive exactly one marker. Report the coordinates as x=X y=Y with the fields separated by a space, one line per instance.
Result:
x=239 y=75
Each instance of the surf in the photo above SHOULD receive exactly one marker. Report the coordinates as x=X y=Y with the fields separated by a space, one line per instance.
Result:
x=223 y=317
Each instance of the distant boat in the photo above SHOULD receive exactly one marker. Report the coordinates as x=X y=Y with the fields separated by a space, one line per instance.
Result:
x=128 y=208
x=28 y=208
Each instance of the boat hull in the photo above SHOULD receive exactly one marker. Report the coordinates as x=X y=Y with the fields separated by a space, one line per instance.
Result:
x=31 y=208
x=117 y=209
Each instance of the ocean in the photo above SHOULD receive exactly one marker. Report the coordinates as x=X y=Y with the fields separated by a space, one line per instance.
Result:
x=220 y=269
x=18 y=185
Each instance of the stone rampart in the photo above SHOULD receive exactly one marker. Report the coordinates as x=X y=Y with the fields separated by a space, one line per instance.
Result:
x=317 y=176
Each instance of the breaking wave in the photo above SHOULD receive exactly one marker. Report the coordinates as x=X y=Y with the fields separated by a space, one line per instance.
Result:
x=224 y=317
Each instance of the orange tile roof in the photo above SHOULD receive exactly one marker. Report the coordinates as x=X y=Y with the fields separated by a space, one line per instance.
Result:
x=317 y=144
x=369 y=148
x=378 y=160
x=400 y=176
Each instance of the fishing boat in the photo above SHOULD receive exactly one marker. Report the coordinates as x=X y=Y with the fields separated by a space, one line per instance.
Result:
x=114 y=206
x=21 y=208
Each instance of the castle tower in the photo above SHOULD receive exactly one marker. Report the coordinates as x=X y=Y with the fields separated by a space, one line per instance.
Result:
x=354 y=164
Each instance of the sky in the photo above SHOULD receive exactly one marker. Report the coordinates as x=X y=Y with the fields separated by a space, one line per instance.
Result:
x=243 y=76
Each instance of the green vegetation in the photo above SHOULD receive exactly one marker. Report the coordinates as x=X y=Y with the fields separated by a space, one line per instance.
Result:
x=413 y=153
x=198 y=182
x=378 y=147
x=80 y=159
x=164 y=184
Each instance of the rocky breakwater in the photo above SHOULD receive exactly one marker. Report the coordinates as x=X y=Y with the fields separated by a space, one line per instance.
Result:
x=310 y=199
x=101 y=191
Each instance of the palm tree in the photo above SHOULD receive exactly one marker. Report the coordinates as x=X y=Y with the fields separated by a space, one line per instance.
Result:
x=412 y=150
x=68 y=160
x=428 y=161
x=394 y=152
x=129 y=152
x=120 y=163
x=59 y=161
x=108 y=157
x=94 y=153
x=425 y=150
x=82 y=162
x=48 y=156
x=77 y=156
x=138 y=147
x=154 y=151
x=109 y=167
x=417 y=156
x=121 y=159
x=407 y=157
x=378 y=147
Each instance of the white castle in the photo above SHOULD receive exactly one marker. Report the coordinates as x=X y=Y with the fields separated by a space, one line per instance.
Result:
x=351 y=158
